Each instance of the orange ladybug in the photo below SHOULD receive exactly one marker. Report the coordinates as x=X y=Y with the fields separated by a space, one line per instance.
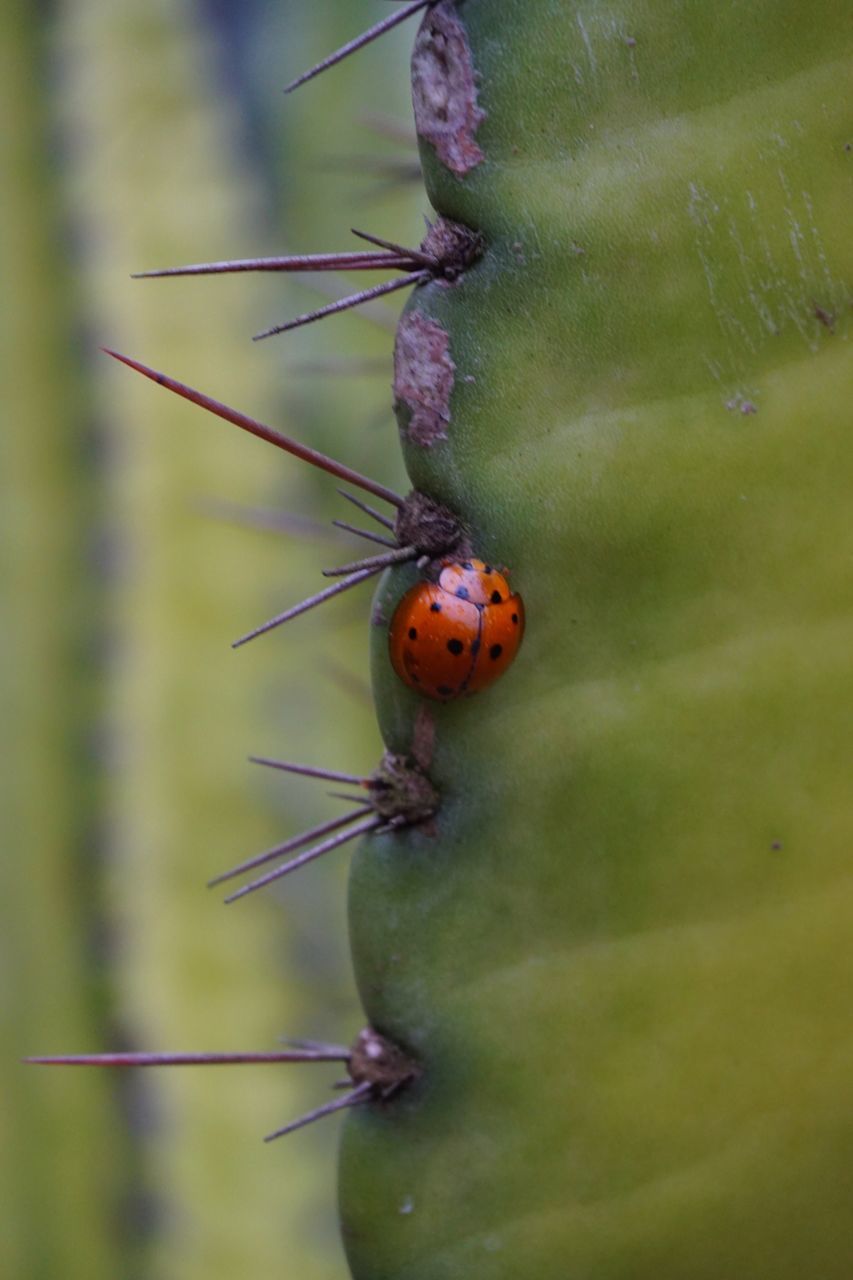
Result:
x=455 y=636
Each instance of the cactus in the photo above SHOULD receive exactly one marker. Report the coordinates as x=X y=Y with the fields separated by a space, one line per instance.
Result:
x=613 y=956
x=606 y=961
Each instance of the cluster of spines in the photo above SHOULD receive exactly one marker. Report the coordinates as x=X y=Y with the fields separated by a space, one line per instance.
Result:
x=376 y=1070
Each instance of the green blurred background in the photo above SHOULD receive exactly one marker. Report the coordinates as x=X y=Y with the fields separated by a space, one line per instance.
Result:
x=138 y=134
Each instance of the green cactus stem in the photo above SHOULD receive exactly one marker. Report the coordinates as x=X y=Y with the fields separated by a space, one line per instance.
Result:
x=616 y=953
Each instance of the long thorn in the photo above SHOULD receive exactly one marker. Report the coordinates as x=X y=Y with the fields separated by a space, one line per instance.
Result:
x=414 y=255
x=368 y=511
x=255 y=428
x=359 y=1095
x=308 y=771
x=398 y=555
x=362 y=260
x=334 y=842
x=364 y=533
x=359 y=42
x=294 y=843
x=305 y=605
x=345 y=304
x=318 y=1054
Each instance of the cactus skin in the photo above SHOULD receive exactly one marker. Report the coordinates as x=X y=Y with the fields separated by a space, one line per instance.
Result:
x=617 y=954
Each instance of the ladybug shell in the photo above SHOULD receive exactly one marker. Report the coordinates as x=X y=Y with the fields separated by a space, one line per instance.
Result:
x=457 y=635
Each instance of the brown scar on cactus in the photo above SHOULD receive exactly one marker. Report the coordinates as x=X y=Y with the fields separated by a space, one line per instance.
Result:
x=397 y=794
x=376 y=1067
x=444 y=90
x=445 y=253
x=424 y=529
x=424 y=376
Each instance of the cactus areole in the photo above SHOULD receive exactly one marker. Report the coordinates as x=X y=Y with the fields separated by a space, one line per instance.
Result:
x=614 y=951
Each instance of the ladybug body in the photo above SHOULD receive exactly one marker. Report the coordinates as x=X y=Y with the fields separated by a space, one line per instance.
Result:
x=456 y=635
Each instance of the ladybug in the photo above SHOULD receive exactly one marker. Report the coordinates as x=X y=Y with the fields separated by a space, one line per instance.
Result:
x=456 y=635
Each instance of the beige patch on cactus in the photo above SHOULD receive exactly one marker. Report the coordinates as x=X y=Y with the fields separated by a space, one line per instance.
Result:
x=444 y=90
x=424 y=374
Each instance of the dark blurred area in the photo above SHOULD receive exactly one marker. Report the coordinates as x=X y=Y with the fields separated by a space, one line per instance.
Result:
x=139 y=135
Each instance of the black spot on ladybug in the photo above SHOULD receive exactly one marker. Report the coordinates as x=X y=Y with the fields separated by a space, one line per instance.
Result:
x=413 y=633
x=496 y=597
x=467 y=565
x=445 y=691
x=487 y=570
x=462 y=593
x=455 y=646
x=495 y=652
x=515 y=618
x=435 y=607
